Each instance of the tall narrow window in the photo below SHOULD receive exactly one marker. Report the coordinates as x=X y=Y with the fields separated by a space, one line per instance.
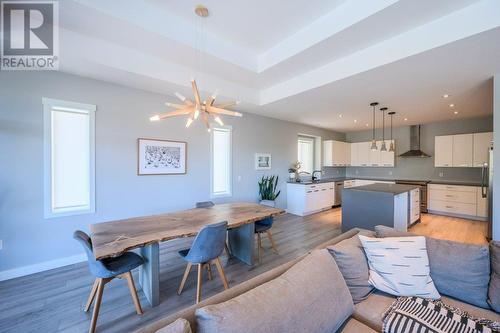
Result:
x=306 y=153
x=69 y=161
x=221 y=162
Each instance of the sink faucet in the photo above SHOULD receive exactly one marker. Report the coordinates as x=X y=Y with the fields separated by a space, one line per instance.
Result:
x=313 y=174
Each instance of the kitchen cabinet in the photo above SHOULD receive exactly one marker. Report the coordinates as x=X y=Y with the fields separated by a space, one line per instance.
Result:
x=347 y=153
x=457 y=200
x=307 y=199
x=482 y=142
x=414 y=206
x=463 y=150
x=354 y=154
x=443 y=151
x=375 y=156
x=363 y=153
x=387 y=157
x=335 y=153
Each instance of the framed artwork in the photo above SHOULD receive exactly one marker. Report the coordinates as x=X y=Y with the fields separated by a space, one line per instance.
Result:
x=262 y=161
x=161 y=157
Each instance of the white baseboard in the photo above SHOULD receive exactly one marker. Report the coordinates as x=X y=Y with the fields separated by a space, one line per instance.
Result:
x=43 y=266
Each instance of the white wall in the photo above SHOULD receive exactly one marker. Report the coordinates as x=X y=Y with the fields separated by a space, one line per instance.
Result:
x=122 y=117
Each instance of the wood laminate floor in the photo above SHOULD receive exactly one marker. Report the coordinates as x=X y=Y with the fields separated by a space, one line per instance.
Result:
x=52 y=301
x=452 y=228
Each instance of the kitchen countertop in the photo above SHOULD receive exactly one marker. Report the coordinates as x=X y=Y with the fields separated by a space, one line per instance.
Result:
x=386 y=188
x=430 y=181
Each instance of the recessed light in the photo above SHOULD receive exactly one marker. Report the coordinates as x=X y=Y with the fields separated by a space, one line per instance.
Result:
x=355 y=120
x=446 y=96
x=406 y=119
x=367 y=125
x=452 y=105
x=455 y=112
x=340 y=116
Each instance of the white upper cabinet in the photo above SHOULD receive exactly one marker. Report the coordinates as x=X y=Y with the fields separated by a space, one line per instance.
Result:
x=347 y=153
x=482 y=143
x=463 y=150
x=387 y=157
x=363 y=153
x=336 y=153
x=328 y=153
x=443 y=151
x=354 y=154
x=375 y=156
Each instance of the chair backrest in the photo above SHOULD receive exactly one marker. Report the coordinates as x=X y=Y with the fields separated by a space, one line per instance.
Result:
x=208 y=244
x=95 y=266
x=268 y=221
x=204 y=204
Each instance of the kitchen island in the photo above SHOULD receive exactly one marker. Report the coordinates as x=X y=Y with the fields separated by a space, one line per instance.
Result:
x=393 y=205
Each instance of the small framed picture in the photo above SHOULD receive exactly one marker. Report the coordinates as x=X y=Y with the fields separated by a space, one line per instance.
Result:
x=161 y=157
x=262 y=161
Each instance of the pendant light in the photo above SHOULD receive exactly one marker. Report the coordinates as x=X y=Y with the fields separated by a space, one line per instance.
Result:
x=374 y=143
x=391 y=146
x=383 y=147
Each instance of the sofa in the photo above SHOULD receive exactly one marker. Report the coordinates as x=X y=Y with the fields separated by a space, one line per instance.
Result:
x=309 y=293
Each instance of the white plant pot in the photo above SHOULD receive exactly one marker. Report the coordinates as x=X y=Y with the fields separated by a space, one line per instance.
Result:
x=269 y=203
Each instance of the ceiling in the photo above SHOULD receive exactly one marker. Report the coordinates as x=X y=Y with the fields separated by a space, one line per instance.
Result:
x=302 y=61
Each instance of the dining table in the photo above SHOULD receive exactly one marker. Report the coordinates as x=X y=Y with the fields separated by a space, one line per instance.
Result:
x=110 y=239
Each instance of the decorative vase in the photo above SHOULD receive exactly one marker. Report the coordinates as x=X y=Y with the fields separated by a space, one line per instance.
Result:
x=269 y=203
x=292 y=175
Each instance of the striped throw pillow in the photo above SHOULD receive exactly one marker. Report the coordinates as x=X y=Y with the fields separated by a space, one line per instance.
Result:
x=415 y=314
x=399 y=266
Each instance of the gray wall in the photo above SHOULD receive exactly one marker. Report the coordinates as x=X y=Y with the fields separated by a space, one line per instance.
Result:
x=122 y=117
x=422 y=168
x=496 y=157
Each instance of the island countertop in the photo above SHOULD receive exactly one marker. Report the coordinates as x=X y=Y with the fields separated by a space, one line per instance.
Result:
x=383 y=187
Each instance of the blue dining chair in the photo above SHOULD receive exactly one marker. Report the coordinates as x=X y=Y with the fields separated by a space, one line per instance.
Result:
x=205 y=251
x=106 y=270
x=264 y=226
x=208 y=204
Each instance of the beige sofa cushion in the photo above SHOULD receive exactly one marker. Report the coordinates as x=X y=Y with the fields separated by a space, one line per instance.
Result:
x=181 y=325
x=354 y=326
x=310 y=297
x=371 y=310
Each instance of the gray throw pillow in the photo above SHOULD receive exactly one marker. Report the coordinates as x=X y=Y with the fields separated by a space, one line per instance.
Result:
x=494 y=289
x=459 y=270
x=353 y=265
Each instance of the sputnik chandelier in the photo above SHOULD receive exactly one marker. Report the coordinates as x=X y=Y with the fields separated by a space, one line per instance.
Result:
x=194 y=109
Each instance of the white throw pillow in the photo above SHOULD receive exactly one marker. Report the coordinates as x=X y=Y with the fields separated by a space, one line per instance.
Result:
x=400 y=266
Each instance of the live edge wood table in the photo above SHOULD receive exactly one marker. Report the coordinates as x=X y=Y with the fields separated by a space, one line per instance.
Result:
x=113 y=238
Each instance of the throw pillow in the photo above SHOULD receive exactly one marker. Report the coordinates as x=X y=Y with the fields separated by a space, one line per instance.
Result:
x=459 y=270
x=310 y=297
x=494 y=288
x=399 y=266
x=351 y=260
x=414 y=314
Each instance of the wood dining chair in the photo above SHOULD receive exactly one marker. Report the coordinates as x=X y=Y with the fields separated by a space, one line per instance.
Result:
x=106 y=270
x=264 y=226
x=205 y=251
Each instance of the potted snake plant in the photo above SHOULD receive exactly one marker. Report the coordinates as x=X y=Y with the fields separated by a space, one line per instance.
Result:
x=267 y=190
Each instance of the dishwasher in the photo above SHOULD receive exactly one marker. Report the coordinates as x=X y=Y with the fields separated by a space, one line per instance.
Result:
x=338 y=193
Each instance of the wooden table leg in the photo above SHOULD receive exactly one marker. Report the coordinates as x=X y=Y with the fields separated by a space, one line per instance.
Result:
x=149 y=276
x=241 y=242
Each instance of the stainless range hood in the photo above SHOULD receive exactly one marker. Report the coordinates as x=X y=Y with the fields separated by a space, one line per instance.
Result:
x=414 y=144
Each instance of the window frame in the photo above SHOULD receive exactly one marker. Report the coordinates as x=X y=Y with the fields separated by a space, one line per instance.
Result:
x=48 y=105
x=229 y=193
